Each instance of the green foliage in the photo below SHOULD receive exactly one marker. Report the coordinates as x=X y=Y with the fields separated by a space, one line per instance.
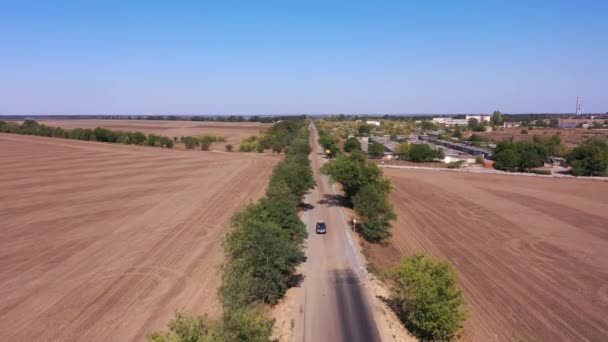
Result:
x=328 y=142
x=455 y=164
x=457 y=132
x=430 y=302
x=507 y=160
x=423 y=153
x=478 y=138
x=428 y=125
x=402 y=150
x=497 y=118
x=247 y=324
x=265 y=243
x=376 y=150
x=260 y=260
x=590 y=159
x=480 y=160
x=368 y=190
x=351 y=144
x=520 y=156
x=294 y=171
x=371 y=203
x=524 y=131
x=190 y=142
x=364 y=130
x=352 y=172
x=31 y=127
x=475 y=125
x=541 y=172
x=249 y=145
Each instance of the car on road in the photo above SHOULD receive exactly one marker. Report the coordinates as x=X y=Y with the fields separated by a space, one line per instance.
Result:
x=321 y=227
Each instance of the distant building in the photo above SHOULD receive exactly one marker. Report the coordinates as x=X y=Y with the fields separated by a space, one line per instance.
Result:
x=480 y=118
x=509 y=124
x=364 y=141
x=456 y=122
x=373 y=123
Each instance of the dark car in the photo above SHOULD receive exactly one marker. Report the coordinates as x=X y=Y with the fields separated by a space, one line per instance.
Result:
x=321 y=227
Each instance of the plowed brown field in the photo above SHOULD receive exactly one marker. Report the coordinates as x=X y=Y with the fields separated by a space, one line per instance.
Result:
x=233 y=132
x=105 y=241
x=531 y=252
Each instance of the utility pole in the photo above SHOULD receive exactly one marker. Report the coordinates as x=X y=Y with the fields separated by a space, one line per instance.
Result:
x=578 y=106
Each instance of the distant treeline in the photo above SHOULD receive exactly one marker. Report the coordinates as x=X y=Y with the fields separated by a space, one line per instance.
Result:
x=262 y=249
x=31 y=127
x=277 y=138
x=218 y=118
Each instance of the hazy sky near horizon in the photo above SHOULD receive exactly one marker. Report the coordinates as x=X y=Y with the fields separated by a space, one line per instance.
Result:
x=281 y=57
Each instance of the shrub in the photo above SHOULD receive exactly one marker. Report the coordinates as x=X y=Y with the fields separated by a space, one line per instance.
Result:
x=480 y=160
x=430 y=302
x=248 y=324
x=541 y=172
x=190 y=142
x=455 y=165
x=590 y=159
x=351 y=144
x=376 y=150
x=229 y=147
x=524 y=131
x=519 y=156
x=423 y=153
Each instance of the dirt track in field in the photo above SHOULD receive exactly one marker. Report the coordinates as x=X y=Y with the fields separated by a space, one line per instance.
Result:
x=531 y=252
x=233 y=132
x=105 y=241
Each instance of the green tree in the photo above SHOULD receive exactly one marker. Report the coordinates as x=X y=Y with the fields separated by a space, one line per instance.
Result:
x=351 y=144
x=376 y=150
x=590 y=159
x=428 y=125
x=475 y=126
x=364 y=130
x=423 y=153
x=260 y=261
x=353 y=172
x=372 y=204
x=457 y=132
x=497 y=118
x=506 y=158
x=431 y=304
x=402 y=150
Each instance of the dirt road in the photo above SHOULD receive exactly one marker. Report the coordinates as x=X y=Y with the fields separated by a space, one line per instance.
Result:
x=104 y=242
x=334 y=301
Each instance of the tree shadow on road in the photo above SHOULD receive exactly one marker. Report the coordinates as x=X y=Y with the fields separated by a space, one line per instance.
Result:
x=306 y=206
x=334 y=200
x=295 y=280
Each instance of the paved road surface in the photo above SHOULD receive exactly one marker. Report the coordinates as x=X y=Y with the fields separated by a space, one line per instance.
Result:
x=335 y=305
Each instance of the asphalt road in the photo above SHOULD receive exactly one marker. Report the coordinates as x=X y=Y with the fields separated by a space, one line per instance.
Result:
x=334 y=306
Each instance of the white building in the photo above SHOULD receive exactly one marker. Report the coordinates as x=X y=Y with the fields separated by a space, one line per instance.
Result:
x=374 y=123
x=480 y=118
x=456 y=122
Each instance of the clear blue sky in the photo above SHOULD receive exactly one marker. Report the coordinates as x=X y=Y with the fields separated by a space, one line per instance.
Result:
x=254 y=57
